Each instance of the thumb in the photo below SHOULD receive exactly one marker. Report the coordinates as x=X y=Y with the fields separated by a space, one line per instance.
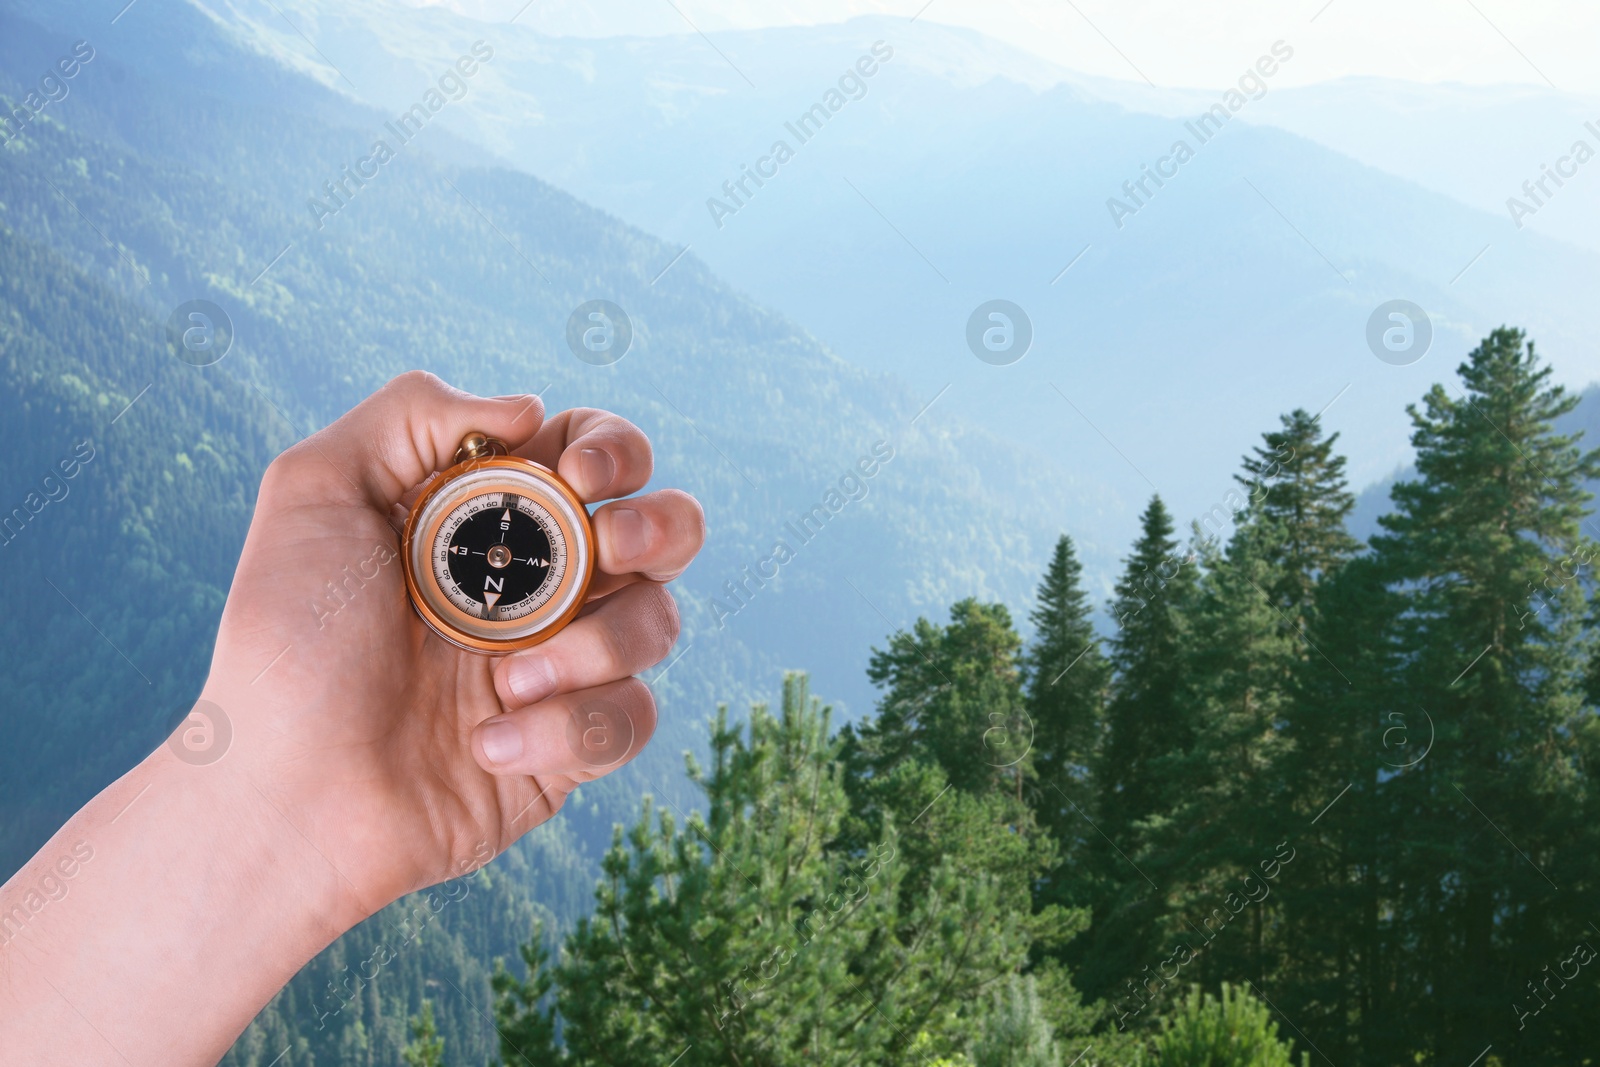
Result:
x=407 y=430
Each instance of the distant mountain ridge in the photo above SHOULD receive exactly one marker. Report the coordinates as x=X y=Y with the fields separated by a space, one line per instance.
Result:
x=971 y=171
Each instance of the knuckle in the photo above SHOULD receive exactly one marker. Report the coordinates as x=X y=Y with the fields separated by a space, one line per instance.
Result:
x=288 y=472
x=684 y=512
x=300 y=473
x=418 y=383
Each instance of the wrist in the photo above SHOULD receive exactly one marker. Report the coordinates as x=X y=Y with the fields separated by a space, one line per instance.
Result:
x=188 y=894
x=263 y=854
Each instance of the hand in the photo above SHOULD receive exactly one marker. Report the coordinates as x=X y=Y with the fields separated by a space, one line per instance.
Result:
x=367 y=756
x=400 y=758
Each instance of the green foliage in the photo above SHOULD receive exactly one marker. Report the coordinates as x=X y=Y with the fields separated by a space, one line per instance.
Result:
x=748 y=935
x=1016 y=1033
x=1473 y=629
x=1235 y=1030
x=425 y=1049
x=1067 y=676
x=1146 y=717
x=1296 y=483
x=1413 y=725
x=952 y=697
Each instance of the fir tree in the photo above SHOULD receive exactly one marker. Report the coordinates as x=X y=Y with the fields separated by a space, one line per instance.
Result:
x=1067 y=675
x=1296 y=482
x=1146 y=721
x=1238 y=661
x=1145 y=717
x=1354 y=735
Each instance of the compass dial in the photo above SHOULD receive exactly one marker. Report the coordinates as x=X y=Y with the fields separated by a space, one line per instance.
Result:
x=498 y=554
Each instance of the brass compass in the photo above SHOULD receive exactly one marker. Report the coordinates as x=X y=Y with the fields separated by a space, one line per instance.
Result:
x=498 y=551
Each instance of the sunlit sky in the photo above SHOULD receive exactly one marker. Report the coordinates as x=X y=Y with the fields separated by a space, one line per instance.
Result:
x=1172 y=43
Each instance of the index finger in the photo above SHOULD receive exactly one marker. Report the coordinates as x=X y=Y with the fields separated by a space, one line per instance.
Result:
x=599 y=454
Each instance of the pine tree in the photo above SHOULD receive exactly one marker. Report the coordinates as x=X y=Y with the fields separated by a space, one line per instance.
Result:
x=745 y=936
x=1235 y=1030
x=1146 y=722
x=1495 y=655
x=1067 y=675
x=1296 y=482
x=425 y=1049
x=1016 y=1034
x=524 y=1016
x=952 y=697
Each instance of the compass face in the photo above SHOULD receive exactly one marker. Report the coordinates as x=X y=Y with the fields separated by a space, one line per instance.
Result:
x=498 y=554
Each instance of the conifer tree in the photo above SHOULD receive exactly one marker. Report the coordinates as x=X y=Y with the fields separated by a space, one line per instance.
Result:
x=745 y=936
x=1067 y=675
x=524 y=1016
x=1145 y=716
x=426 y=1048
x=1016 y=1034
x=1146 y=721
x=1235 y=1030
x=1496 y=658
x=1224 y=818
x=1353 y=735
x=952 y=697
x=1296 y=482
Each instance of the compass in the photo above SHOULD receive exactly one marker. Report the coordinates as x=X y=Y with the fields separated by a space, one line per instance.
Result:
x=498 y=551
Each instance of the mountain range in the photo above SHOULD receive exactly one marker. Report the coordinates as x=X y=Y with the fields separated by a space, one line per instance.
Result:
x=967 y=170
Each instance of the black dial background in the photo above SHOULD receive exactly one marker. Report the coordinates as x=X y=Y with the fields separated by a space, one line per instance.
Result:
x=479 y=533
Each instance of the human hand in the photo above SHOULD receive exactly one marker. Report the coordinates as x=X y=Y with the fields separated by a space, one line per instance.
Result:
x=400 y=758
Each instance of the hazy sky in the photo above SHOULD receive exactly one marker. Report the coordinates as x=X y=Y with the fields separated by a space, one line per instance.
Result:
x=1172 y=42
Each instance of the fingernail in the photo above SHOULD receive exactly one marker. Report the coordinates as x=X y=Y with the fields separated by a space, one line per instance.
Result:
x=598 y=468
x=502 y=741
x=531 y=677
x=627 y=534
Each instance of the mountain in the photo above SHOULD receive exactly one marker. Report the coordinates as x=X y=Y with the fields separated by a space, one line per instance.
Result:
x=967 y=171
x=1477 y=144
